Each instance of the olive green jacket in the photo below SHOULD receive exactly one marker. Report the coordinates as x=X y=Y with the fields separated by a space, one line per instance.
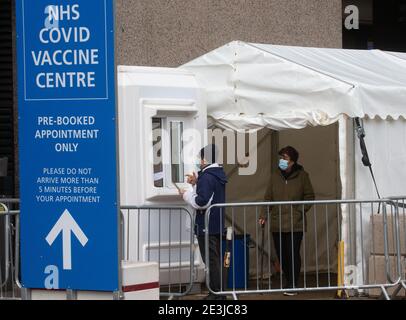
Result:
x=297 y=187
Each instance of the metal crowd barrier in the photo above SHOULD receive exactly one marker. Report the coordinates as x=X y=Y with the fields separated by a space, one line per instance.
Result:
x=10 y=287
x=399 y=204
x=164 y=235
x=161 y=234
x=355 y=270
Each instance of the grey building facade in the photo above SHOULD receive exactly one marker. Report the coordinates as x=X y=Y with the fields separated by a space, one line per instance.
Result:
x=172 y=32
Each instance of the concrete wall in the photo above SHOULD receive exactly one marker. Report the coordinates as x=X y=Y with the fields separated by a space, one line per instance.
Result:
x=172 y=32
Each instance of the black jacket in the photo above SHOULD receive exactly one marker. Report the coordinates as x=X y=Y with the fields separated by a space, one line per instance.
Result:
x=211 y=188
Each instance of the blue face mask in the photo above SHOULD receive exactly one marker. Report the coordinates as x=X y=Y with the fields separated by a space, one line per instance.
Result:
x=198 y=165
x=283 y=164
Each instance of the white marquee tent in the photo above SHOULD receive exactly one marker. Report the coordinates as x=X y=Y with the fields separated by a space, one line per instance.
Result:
x=280 y=87
x=254 y=86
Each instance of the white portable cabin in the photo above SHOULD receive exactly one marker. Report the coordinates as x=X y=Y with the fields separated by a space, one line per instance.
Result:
x=308 y=95
x=165 y=104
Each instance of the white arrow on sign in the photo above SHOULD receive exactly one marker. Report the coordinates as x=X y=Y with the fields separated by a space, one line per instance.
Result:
x=66 y=224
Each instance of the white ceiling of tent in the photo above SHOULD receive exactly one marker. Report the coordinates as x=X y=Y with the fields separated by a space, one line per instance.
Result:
x=251 y=86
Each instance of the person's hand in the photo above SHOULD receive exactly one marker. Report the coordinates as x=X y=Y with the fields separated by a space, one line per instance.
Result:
x=262 y=221
x=191 y=179
x=182 y=192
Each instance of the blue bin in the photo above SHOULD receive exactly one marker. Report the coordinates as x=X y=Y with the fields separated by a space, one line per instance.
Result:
x=241 y=272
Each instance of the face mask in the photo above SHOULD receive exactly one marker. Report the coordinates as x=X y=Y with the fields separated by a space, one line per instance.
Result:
x=283 y=164
x=198 y=165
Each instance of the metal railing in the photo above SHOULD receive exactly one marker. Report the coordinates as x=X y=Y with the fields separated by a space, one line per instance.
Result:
x=291 y=231
x=399 y=205
x=161 y=234
x=164 y=235
x=10 y=287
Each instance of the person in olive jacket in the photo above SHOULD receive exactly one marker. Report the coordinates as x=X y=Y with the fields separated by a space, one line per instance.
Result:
x=288 y=223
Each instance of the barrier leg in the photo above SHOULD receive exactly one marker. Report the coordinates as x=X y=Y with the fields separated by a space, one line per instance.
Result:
x=385 y=293
x=402 y=285
x=396 y=292
x=25 y=294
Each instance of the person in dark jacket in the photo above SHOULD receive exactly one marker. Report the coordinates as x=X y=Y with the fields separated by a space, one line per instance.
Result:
x=288 y=223
x=209 y=188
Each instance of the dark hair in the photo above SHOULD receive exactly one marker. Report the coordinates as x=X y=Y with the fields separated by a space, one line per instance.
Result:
x=291 y=152
x=209 y=153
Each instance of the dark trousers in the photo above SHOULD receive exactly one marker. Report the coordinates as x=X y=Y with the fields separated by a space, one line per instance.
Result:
x=291 y=262
x=215 y=260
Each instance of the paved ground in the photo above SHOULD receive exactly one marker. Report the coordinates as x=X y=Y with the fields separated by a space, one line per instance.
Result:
x=323 y=280
x=302 y=296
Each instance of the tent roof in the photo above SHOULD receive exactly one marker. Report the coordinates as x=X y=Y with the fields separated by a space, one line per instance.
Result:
x=260 y=85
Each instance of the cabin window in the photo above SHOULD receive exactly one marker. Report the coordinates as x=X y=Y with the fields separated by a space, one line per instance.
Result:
x=167 y=152
x=177 y=165
x=157 y=152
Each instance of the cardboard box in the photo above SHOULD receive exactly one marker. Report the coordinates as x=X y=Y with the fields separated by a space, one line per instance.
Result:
x=377 y=273
x=377 y=243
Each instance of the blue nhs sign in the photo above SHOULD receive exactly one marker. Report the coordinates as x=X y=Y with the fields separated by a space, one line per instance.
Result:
x=68 y=58
x=67 y=144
